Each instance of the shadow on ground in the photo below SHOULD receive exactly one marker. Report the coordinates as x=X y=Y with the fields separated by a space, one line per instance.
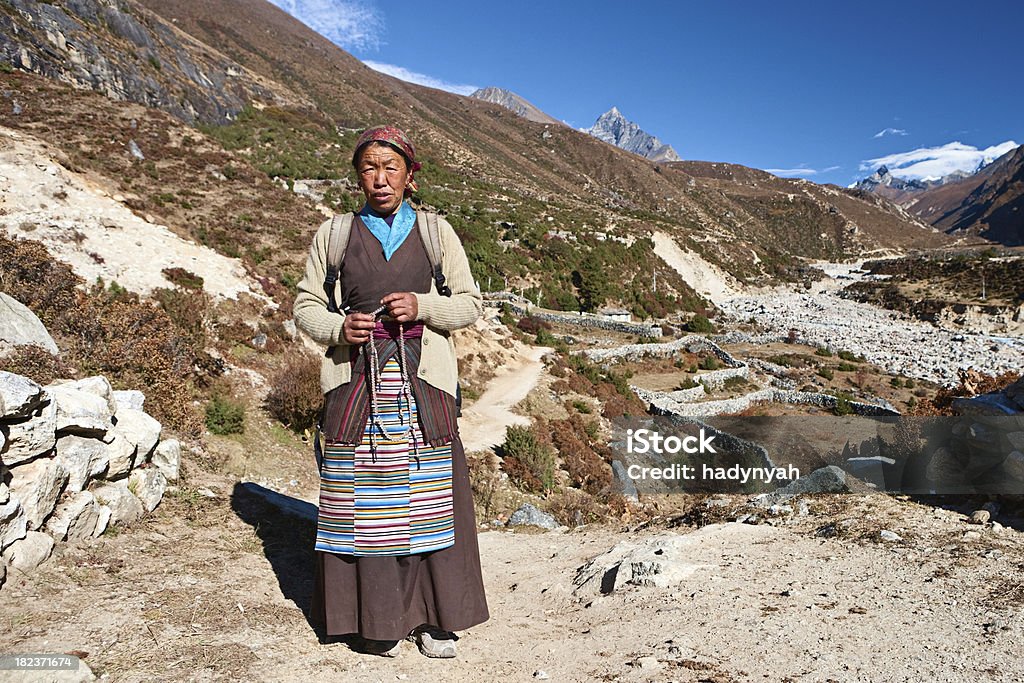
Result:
x=287 y=528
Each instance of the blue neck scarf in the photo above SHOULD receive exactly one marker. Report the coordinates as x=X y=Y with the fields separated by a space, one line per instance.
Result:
x=389 y=236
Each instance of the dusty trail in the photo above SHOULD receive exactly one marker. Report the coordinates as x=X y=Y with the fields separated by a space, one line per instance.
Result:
x=483 y=424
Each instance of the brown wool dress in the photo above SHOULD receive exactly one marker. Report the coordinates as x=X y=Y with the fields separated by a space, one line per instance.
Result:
x=386 y=597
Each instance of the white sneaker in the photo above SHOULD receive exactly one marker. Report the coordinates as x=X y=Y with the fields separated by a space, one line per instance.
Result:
x=435 y=643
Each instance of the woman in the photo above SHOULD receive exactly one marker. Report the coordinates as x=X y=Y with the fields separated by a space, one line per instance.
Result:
x=396 y=546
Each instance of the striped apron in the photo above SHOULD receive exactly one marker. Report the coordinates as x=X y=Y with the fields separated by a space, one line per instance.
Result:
x=395 y=501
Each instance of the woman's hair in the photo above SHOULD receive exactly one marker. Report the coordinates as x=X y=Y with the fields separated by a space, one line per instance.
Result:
x=378 y=143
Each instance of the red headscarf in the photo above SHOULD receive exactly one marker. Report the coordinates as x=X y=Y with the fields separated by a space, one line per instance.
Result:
x=397 y=139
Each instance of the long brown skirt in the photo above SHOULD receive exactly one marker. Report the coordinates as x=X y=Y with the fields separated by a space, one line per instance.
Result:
x=386 y=597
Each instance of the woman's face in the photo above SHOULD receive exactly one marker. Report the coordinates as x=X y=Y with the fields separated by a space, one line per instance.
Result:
x=382 y=178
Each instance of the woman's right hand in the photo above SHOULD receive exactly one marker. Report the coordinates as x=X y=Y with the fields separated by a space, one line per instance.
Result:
x=358 y=327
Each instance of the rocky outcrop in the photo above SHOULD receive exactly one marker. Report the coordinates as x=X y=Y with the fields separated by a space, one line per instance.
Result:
x=73 y=460
x=122 y=50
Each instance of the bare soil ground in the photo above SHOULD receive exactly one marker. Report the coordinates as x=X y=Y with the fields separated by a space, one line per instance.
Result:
x=216 y=589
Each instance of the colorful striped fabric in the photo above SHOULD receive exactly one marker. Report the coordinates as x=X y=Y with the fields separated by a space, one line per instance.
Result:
x=397 y=501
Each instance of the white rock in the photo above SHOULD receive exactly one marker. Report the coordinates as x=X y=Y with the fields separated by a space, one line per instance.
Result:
x=130 y=398
x=38 y=486
x=887 y=535
x=149 y=485
x=102 y=520
x=120 y=454
x=13 y=523
x=661 y=560
x=141 y=429
x=96 y=385
x=19 y=396
x=167 y=458
x=19 y=326
x=5 y=493
x=30 y=552
x=31 y=437
x=75 y=518
x=124 y=507
x=83 y=458
x=79 y=411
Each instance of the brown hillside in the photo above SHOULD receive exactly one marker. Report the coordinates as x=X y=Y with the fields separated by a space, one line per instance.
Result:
x=487 y=167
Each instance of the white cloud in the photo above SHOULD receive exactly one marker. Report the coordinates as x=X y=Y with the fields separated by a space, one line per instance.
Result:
x=401 y=73
x=352 y=25
x=890 y=131
x=932 y=163
x=792 y=172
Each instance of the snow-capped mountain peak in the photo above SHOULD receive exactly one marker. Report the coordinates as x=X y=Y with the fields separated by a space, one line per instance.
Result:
x=616 y=129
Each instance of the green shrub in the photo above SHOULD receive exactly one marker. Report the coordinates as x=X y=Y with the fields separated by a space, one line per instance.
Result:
x=225 y=415
x=709 y=363
x=850 y=356
x=582 y=407
x=826 y=373
x=528 y=462
x=822 y=351
x=908 y=383
x=843 y=406
x=699 y=324
x=847 y=367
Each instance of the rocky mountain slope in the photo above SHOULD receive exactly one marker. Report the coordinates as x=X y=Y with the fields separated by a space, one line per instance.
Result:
x=301 y=97
x=514 y=103
x=981 y=202
x=616 y=129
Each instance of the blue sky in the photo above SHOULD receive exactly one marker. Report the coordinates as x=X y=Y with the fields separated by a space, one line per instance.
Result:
x=820 y=90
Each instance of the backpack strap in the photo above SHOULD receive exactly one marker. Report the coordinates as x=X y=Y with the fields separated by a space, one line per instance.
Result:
x=430 y=233
x=341 y=230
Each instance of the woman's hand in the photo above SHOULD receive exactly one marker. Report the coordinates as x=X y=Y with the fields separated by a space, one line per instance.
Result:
x=402 y=306
x=358 y=327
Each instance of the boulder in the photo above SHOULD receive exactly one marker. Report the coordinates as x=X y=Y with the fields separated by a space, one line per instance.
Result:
x=79 y=411
x=120 y=454
x=30 y=552
x=149 y=485
x=83 y=458
x=13 y=522
x=140 y=429
x=167 y=458
x=829 y=479
x=124 y=507
x=5 y=493
x=96 y=385
x=664 y=560
x=75 y=518
x=31 y=437
x=38 y=485
x=19 y=326
x=19 y=396
x=528 y=515
x=130 y=398
x=625 y=483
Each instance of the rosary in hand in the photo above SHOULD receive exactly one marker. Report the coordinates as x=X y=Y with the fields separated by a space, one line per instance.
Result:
x=405 y=392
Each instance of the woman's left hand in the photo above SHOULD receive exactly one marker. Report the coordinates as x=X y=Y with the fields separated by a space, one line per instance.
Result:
x=402 y=306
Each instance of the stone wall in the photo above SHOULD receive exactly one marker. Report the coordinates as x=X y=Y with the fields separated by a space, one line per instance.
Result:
x=75 y=458
x=579 y=319
x=662 y=403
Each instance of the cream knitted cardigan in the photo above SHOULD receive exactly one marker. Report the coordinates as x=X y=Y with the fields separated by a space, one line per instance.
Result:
x=439 y=314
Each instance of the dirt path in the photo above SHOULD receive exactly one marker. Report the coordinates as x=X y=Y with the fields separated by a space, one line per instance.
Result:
x=483 y=424
x=215 y=590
